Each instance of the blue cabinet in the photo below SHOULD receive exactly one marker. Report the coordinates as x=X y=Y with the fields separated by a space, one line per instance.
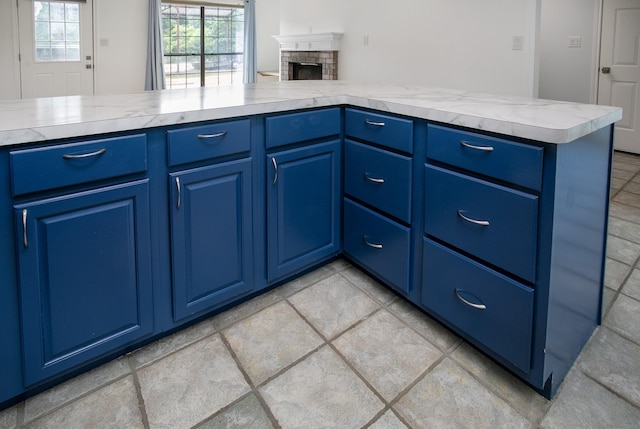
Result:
x=379 y=178
x=211 y=232
x=303 y=207
x=85 y=286
x=513 y=251
x=480 y=251
x=485 y=305
x=378 y=200
x=494 y=223
x=501 y=240
x=377 y=243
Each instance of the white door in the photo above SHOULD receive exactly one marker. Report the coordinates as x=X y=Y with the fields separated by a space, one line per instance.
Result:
x=56 y=48
x=619 y=81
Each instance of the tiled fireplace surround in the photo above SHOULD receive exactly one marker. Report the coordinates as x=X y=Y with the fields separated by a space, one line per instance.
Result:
x=328 y=59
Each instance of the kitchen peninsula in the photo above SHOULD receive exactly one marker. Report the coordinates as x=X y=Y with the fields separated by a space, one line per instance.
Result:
x=127 y=217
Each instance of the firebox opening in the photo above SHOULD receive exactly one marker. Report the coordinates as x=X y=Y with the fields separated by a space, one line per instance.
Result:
x=306 y=71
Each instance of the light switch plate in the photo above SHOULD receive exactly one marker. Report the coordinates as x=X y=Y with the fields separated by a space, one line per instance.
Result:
x=516 y=43
x=575 y=41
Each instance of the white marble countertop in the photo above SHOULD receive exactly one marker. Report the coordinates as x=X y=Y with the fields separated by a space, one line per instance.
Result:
x=24 y=121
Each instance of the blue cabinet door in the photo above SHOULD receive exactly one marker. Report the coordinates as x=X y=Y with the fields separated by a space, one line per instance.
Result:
x=211 y=230
x=85 y=276
x=303 y=207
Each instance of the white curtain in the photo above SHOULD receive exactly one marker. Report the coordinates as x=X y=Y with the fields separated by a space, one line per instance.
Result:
x=250 y=56
x=155 y=72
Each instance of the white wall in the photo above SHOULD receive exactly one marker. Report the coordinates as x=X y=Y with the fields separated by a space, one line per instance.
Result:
x=9 y=71
x=120 y=28
x=449 y=43
x=464 y=44
x=267 y=25
x=568 y=73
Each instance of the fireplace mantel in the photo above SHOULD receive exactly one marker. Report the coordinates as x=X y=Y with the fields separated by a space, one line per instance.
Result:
x=310 y=42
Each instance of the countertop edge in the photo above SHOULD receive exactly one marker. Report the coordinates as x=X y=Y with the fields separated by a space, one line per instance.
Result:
x=511 y=117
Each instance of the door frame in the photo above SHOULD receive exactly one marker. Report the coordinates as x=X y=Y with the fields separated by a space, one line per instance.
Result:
x=597 y=42
x=17 y=80
x=16 y=44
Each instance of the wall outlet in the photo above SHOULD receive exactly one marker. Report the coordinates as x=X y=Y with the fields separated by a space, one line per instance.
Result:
x=574 y=41
x=365 y=39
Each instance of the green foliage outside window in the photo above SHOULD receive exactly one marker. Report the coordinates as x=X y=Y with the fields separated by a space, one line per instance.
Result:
x=181 y=30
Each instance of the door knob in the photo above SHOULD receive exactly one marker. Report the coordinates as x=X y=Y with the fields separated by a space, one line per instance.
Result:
x=606 y=70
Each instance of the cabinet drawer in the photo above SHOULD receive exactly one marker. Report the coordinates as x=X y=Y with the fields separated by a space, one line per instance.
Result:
x=388 y=131
x=208 y=141
x=512 y=162
x=379 y=178
x=494 y=223
x=298 y=127
x=377 y=243
x=487 y=306
x=56 y=166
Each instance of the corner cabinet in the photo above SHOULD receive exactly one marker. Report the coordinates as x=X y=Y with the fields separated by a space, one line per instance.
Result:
x=303 y=191
x=84 y=257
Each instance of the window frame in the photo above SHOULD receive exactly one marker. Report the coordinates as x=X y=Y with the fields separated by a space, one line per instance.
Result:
x=202 y=55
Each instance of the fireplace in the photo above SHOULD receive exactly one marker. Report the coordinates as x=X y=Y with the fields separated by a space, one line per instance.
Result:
x=320 y=65
x=306 y=71
x=309 y=56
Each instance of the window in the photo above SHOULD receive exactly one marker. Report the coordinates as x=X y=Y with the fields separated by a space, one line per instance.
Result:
x=203 y=45
x=57 y=31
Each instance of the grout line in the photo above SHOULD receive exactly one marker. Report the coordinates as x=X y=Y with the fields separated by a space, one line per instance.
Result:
x=253 y=388
x=79 y=397
x=173 y=350
x=329 y=343
x=617 y=292
x=628 y=401
x=274 y=292
x=141 y=405
x=20 y=414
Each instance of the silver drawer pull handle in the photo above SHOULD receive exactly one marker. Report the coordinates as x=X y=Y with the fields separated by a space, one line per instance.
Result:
x=469 y=303
x=472 y=146
x=375 y=124
x=474 y=221
x=85 y=155
x=370 y=244
x=373 y=179
x=212 y=136
x=25 y=242
x=275 y=171
x=179 y=188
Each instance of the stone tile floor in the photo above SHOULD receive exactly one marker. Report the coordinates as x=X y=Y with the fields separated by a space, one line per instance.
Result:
x=336 y=349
